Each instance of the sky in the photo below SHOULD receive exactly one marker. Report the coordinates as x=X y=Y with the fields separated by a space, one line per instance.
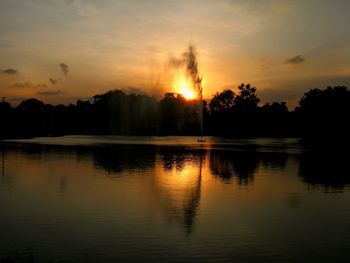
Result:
x=62 y=50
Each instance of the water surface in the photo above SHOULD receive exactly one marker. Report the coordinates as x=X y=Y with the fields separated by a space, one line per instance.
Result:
x=108 y=199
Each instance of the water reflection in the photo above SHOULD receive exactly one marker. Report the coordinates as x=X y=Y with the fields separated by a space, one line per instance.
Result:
x=118 y=158
x=274 y=161
x=178 y=185
x=294 y=200
x=178 y=157
x=242 y=165
x=193 y=198
x=63 y=184
x=6 y=179
x=161 y=200
x=227 y=165
x=3 y=165
x=329 y=171
x=176 y=176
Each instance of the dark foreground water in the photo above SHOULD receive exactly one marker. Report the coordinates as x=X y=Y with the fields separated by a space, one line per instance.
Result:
x=117 y=199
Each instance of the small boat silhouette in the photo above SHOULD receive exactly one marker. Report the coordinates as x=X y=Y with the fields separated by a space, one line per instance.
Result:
x=201 y=139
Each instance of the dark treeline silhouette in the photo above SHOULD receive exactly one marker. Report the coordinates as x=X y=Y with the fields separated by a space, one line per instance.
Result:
x=320 y=113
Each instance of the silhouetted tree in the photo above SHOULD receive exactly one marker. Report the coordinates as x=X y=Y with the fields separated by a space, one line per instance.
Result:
x=222 y=101
x=245 y=112
x=118 y=113
x=321 y=113
x=220 y=112
x=234 y=115
x=274 y=120
x=178 y=115
x=6 y=119
x=246 y=100
x=30 y=116
x=325 y=112
x=31 y=105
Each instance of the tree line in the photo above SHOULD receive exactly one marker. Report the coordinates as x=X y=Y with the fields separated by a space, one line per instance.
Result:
x=320 y=113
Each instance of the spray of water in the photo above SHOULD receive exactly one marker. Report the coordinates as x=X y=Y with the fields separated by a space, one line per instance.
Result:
x=192 y=70
x=189 y=61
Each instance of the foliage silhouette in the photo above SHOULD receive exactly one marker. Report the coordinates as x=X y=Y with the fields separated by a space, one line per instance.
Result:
x=247 y=100
x=324 y=113
x=321 y=113
x=223 y=101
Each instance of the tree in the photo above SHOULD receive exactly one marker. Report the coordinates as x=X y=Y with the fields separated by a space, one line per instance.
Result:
x=6 y=118
x=246 y=100
x=325 y=112
x=31 y=105
x=331 y=100
x=178 y=115
x=220 y=112
x=222 y=101
x=30 y=117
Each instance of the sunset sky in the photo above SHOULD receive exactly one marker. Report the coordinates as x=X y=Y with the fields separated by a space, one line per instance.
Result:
x=63 y=50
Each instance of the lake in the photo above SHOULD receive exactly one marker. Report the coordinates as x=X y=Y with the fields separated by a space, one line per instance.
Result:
x=171 y=199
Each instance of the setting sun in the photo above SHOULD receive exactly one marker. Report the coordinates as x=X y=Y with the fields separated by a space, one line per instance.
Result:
x=187 y=92
x=184 y=88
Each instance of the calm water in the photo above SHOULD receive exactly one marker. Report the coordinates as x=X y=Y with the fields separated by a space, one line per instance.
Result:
x=109 y=199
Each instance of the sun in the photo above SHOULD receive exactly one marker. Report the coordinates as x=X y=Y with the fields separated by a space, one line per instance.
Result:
x=187 y=92
x=184 y=88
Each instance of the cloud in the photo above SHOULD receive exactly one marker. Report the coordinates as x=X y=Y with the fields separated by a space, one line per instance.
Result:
x=295 y=60
x=54 y=81
x=41 y=85
x=50 y=93
x=65 y=69
x=9 y=71
x=27 y=84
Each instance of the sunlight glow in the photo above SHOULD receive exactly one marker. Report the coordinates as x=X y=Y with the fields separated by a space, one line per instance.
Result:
x=187 y=92
x=184 y=87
